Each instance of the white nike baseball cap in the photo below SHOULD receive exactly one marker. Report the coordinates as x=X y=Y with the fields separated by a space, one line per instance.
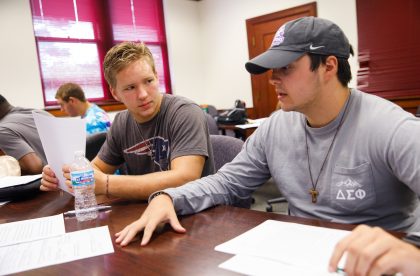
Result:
x=297 y=37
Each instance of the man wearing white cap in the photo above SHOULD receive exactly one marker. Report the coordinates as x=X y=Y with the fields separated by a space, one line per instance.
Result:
x=336 y=153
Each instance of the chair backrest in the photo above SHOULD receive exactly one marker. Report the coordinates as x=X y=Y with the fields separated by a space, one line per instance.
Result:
x=211 y=109
x=94 y=143
x=225 y=149
x=212 y=125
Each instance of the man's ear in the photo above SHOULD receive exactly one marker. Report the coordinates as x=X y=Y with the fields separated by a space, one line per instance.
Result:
x=114 y=93
x=331 y=67
x=71 y=100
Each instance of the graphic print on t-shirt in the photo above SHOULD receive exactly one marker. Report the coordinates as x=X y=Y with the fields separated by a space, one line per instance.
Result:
x=156 y=147
x=353 y=188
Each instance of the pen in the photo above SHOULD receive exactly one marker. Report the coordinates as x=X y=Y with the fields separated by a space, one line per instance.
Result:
x=98 y=208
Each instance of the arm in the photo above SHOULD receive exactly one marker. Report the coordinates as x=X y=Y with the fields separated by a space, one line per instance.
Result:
x=49 y=181
x=183 y=170
x=12 y=144
x=30 y=164
x=372 y=251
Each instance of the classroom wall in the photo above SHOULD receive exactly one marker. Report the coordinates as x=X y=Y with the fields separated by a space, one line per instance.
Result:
x=216 y=74
x=20 y=80
x=207 y=47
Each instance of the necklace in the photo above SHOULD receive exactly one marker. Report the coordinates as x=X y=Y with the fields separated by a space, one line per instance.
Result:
x=151 y=146
x=313 y=191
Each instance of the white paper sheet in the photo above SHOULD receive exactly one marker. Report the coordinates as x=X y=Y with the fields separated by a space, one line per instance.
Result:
x=60 y=138
x=307 y=247
x=252 y=123
x=65 y=248
x=255 y=266
x=32 y=229
x=9 y=181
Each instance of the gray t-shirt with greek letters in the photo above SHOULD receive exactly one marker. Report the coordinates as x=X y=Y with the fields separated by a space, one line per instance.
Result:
x=372 y=174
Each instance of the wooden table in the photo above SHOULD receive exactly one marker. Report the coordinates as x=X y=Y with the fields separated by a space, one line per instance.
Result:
x=168 y=253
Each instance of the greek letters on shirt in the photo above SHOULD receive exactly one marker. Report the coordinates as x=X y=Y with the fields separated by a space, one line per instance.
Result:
x=353 y=189
x=350 y=190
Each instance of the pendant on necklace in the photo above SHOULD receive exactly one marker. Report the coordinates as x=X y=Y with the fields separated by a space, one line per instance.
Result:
x=314 y=193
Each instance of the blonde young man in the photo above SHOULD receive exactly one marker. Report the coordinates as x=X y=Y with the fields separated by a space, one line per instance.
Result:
x=162 y=139
x=336 y=153
x=72 y=101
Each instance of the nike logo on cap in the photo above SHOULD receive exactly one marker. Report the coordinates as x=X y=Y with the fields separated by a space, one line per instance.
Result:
x=315 y=47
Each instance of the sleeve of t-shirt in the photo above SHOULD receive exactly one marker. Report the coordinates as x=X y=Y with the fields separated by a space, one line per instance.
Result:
x=110 y=152
x=404 y=153
x=188 y=132
x=232 y=184
x=13 y=145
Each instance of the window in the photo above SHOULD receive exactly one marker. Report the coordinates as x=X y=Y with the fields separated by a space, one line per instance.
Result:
x=73 y=37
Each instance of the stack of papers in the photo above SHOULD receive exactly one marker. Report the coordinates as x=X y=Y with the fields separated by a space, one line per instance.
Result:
x=41 y=242
x=275 y=247
x=252 y=123
x=9 y=181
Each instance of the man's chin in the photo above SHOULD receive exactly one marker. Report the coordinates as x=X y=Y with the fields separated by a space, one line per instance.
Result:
x=287 y=108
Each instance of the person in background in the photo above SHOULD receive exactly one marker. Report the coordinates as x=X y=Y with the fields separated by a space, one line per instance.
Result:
x=336 y=153
x=72 y=101
x=162 y=139
x=19 y=137
x=372 y=251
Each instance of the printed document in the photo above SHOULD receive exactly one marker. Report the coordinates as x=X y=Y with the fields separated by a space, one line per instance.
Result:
x=55 y=250
x=60 y=138
x=283 y=244
x=32 y=229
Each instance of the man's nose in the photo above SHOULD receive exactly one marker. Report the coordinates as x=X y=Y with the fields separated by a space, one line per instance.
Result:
x=141 y=93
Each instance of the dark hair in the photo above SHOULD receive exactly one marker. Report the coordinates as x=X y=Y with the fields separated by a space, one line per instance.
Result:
x=68 y=90
x=2 y=99
x=343 y=72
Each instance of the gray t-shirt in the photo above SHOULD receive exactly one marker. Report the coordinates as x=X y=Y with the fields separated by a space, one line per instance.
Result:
x=372 y=174
x=179 y=129
x=18 y=133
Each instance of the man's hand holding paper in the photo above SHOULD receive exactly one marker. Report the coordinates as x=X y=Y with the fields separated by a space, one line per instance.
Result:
x=60 y=138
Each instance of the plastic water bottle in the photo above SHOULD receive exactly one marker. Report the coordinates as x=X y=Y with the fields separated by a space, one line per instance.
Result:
x=83 y=182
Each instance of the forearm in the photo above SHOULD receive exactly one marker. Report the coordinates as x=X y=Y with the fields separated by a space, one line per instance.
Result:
x=229 y=186
x=142 y=186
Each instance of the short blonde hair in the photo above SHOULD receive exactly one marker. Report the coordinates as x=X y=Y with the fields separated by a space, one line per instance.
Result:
x=123 y=54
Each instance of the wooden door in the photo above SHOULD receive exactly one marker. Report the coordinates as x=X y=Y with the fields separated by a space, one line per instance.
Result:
x=261 y=31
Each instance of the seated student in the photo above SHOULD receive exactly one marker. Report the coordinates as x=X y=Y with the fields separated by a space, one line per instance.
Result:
x=163 y=139
x=19 y=137
x=372 y=251
x=337 y=154
x=72 y=100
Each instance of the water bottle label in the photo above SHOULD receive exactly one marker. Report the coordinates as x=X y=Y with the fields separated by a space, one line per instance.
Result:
x=82 y=178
